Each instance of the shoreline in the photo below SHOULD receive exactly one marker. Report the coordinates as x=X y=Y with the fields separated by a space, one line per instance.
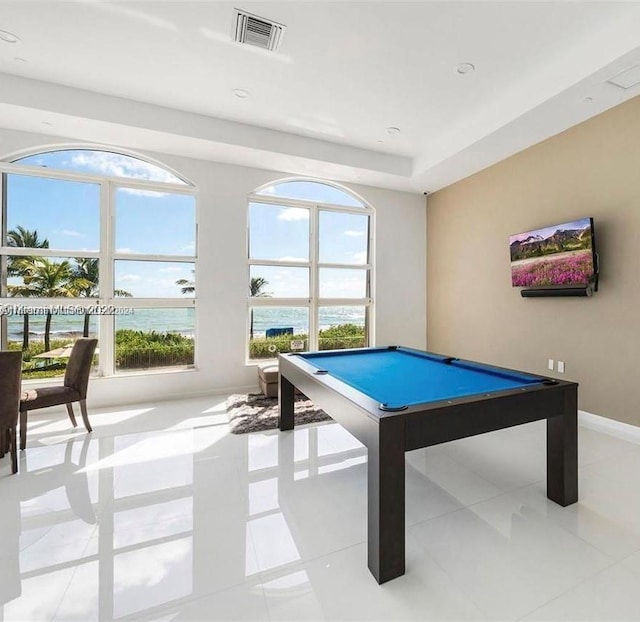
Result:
x=73 y=335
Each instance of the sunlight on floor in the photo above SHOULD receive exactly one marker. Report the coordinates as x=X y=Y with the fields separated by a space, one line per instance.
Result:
x=162 y=514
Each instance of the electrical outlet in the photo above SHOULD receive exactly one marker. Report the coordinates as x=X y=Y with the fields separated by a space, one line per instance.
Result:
x=550 y=364
x=561 y=367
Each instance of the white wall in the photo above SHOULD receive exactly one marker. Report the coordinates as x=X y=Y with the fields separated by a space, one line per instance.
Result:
x=221 y=313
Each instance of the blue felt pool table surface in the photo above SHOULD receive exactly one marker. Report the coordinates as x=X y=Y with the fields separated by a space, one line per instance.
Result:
x=406 y=377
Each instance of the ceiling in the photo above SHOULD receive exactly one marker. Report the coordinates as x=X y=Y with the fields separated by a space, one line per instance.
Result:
x=161 y=75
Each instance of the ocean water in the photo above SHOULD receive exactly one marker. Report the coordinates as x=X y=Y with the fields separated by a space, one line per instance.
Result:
x=183 y=321
x=161 y=320
x=298 y=319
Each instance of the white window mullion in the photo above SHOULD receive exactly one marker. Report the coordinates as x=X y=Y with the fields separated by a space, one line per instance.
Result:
x=153 y=303
x=344 y=302
x=149 y=257
x=370 y=323
x=279 y=262
x=196 y=275
x=313 y=276
x=106 y=322
x=345 y=266
x=268 y=301
x=4 y=337
x=40 y=303
x=46 y=252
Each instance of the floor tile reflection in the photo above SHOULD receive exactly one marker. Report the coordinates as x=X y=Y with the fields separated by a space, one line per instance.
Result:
x=162 y=514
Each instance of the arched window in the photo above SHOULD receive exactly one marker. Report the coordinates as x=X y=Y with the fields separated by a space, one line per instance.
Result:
x=102 y=163
x=97 y=243
x=310 y=275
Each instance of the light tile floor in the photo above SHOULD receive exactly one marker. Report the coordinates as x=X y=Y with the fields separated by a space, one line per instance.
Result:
x=162 y=514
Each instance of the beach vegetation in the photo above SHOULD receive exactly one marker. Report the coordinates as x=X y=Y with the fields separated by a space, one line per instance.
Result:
x=332 y=338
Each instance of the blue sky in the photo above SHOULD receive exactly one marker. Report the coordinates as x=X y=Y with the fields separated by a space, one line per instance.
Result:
x=67 y=214
x=282 y=233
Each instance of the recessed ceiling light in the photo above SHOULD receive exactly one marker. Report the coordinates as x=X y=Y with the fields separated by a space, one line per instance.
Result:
x=464 y=68
x=380 y=141
x=241 y=93
x=587 y=100
x=393 y=130
x=8 y=37
x=46 y=122
x=18 y=59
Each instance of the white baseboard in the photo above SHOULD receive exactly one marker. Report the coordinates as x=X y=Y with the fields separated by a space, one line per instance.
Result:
x=214 y=392
x=612 y=427
x=102 y=405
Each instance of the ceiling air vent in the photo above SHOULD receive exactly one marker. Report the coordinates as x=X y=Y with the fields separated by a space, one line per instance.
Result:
x=627 y=79
x=254 y=30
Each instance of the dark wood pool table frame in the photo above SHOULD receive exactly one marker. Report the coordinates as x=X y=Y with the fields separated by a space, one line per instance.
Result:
x=388 y=435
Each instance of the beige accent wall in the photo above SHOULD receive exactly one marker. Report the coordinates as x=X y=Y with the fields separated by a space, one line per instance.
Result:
x=592 y=169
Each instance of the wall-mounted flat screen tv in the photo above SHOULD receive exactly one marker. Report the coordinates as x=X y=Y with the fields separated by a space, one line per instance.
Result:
x=556 y=256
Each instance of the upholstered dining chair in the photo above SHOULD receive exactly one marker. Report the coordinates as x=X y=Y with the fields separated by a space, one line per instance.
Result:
x=73 y=389
x=10 y=376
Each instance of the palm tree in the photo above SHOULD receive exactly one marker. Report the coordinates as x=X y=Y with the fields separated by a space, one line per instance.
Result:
x=46 y=279
x=187 y=286
x=23 y=238
x=85 y=276
x=86 y=269
x=255 y=291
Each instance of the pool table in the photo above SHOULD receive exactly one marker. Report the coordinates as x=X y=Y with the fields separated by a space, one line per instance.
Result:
x=396 y=399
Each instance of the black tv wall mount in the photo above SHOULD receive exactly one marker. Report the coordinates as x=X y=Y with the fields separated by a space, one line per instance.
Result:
x=548 y=292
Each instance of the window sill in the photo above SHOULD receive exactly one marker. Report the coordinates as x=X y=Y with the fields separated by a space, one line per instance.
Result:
x=148 y=372
x=260 y=362
x=160 y=372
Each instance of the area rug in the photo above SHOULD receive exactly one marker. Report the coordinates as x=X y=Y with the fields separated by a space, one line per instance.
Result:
x=256 y=413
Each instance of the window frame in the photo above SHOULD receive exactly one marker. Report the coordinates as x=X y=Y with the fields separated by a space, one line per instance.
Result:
x=313 y=303
x=106 y=255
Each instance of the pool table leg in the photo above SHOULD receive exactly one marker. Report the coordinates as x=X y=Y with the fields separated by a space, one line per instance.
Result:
x=386 y=499
x=562 y=452
x=286 y=392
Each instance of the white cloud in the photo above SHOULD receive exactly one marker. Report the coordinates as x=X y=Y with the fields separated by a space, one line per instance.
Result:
x=345 y=288
x=286 y=282
x=188 y=247
x=159 y=288
x=353 y=234
x=130 y=277
x=117 y=165
x=73 y=234
x=360 y=258
x=172 y=269
x=343 y=284
x=291 y=214
x=124 y=249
